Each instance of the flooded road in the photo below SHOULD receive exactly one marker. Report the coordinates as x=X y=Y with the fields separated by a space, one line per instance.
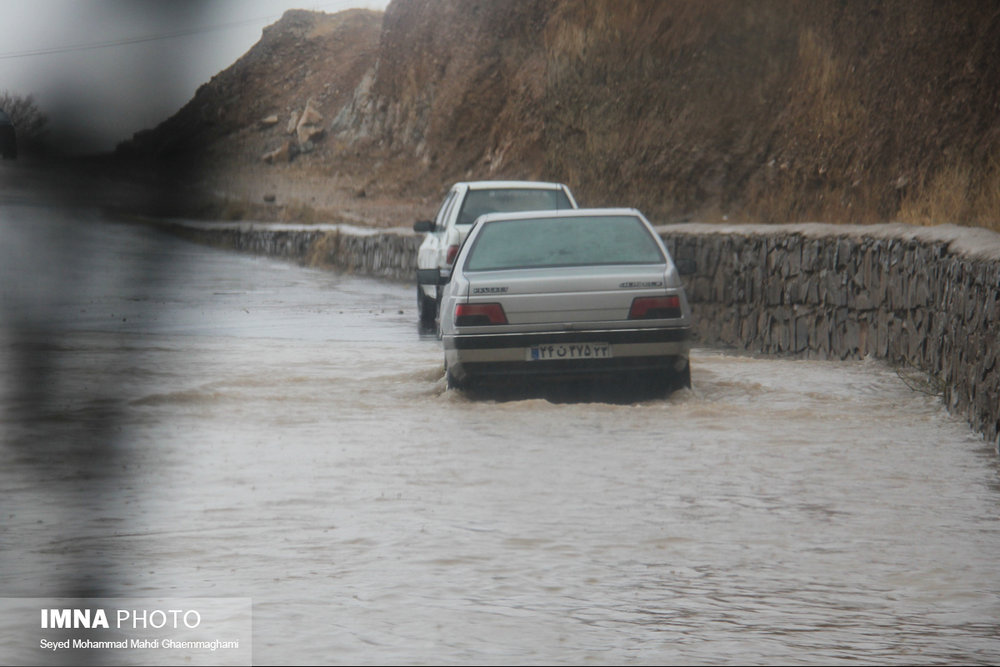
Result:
x=187 y=422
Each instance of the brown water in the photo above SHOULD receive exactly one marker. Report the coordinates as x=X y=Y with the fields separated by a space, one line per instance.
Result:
x=186 y=422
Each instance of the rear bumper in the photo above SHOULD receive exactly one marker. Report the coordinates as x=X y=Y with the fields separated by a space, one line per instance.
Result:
x=489 y=356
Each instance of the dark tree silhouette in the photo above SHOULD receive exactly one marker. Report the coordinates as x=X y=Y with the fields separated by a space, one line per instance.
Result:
x=29 y=121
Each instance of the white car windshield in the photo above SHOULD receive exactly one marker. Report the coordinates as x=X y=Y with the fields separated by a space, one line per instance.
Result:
x=510 y=200
x=564 y=241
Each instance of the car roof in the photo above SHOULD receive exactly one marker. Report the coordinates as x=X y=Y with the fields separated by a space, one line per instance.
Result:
x=497 y=185
x=564 y=213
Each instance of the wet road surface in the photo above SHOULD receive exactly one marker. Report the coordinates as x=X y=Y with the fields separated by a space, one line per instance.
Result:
x=187 y=422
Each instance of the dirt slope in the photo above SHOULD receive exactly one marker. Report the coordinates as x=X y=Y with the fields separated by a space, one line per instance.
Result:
x=757 y=110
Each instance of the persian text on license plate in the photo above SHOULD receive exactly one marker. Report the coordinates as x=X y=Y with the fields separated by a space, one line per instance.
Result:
x=570 y=351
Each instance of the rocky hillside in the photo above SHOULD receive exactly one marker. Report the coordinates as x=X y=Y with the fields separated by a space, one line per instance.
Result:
x=757 y=110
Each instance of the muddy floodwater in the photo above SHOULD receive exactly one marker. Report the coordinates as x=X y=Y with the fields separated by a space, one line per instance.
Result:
x=188 y=422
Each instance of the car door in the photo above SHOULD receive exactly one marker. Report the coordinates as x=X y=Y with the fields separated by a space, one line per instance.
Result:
x=430 y=252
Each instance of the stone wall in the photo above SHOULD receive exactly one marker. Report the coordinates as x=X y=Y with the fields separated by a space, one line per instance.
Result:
x=389 y=254
x=922 y=299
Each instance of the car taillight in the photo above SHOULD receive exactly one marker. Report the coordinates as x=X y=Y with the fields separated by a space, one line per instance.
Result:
x=479 y=314
x=452 y=254
x=655 y=307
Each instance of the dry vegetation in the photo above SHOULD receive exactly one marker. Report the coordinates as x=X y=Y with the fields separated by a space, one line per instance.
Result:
x=758 y=110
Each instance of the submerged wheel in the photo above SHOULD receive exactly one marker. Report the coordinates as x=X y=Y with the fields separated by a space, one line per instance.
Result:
x=426 y=308
x=452 y=381
x=683 y=378
x=667 y=381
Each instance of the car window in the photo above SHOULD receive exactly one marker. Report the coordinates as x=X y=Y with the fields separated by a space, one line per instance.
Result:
x=448 y=209
x=573 y=241
x=443 y=211
x=510 y=200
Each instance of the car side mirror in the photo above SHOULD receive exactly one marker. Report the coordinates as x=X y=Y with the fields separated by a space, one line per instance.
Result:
x=424 y=226
x=686 y=266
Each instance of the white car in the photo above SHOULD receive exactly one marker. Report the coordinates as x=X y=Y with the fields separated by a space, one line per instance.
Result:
x=464 y=203
x=566 y=295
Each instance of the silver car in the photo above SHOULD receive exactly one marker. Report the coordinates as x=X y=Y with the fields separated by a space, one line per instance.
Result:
x=565 y=294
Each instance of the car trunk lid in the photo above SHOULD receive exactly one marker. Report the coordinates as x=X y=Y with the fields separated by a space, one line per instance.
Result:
x=564 y=296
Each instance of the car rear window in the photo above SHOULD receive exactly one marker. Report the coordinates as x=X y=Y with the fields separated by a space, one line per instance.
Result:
x=510 y=200
x=571 y=241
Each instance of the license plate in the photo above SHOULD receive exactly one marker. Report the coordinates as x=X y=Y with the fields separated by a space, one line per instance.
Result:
x=570 y=351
